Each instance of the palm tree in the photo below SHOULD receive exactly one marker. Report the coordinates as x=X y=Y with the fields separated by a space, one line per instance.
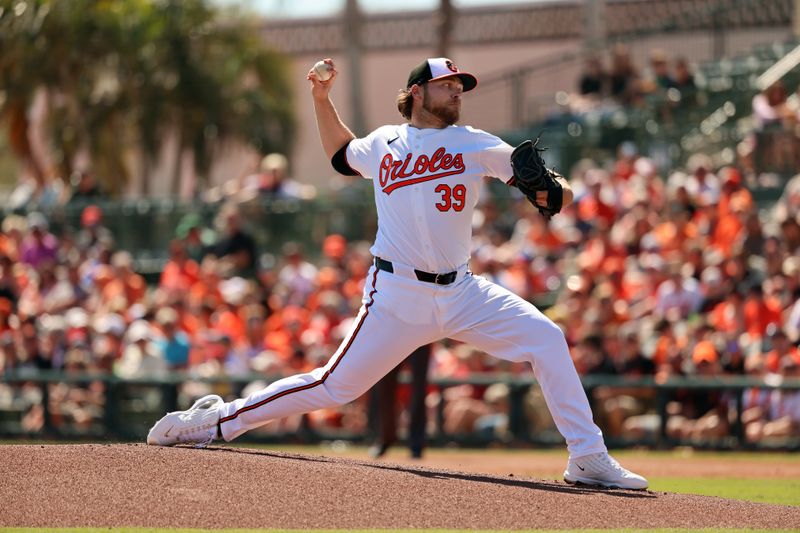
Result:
x=123 y=76
x=23 y=52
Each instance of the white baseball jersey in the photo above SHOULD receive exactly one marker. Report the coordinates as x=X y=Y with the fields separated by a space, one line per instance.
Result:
x=426 y=184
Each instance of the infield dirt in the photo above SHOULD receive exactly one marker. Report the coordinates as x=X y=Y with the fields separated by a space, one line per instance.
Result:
x=221 y=487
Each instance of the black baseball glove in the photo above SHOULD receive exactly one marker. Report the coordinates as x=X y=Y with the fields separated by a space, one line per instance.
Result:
x=531 y=176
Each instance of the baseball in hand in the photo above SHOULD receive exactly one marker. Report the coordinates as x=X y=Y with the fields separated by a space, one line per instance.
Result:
x=322 y=70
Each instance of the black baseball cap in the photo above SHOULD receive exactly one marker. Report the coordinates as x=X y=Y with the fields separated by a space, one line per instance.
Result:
x=437 y=68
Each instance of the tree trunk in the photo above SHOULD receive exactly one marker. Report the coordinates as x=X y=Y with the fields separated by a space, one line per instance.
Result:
x=19 y=141
x=175 y=184
x=445 y=24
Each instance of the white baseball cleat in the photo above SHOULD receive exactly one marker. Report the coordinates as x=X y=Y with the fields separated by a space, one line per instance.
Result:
x=197 y=425
x=600 y=469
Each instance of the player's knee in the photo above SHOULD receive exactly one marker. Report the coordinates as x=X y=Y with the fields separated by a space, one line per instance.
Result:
x=341 y=394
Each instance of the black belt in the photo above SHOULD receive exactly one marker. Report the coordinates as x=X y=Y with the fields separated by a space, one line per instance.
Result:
x=439 y=279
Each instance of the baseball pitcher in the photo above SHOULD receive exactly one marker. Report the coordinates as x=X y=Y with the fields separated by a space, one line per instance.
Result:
x=426 y=174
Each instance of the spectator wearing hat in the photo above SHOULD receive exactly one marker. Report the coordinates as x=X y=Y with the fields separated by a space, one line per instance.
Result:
x=700 y=415
x=227 y=319
x=659 y=79
x=13 y=228
x=93 y=234
x=109 y=331
x=141 y=358
x=272 y=181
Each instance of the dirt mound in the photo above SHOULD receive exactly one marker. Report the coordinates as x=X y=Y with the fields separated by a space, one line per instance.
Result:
x=136 y=485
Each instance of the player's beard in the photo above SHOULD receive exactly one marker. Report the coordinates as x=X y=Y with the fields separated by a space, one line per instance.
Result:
x=448 y=114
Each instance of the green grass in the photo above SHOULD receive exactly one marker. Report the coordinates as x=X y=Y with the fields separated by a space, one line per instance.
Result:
x=152 y=530
x=778 y=491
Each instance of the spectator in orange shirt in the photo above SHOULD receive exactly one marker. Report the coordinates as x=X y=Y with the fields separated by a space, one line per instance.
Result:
x=592 y=208
x=206 y=288
x=759 y=312
x=180 y=272
x=131 y=285
x=227 y=319
x=334 y=248
x=728 y=233
x=284 y=330
x=733 y=192
x=14 y=227
x=780 y=349
x=728 y=315
x=667 y=348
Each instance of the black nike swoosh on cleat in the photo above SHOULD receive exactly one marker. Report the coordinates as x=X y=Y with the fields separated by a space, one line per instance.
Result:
x=392 y=140
x=582 y=469
x=166 y=433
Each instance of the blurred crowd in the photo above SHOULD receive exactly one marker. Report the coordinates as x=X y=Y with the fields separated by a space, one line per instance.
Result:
x=666 y=83
x=774 y=144
x=649 y=275
x=264 y=178
x=676 y=275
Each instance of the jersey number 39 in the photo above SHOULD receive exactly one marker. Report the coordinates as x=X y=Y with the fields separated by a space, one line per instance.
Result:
x=452 y=197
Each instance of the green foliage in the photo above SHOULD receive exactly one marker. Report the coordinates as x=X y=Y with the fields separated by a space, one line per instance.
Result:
x=125 y=74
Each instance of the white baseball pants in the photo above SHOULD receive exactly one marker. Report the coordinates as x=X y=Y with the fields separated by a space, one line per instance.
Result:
x=399 y=314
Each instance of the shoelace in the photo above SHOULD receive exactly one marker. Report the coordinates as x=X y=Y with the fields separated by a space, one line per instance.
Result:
x=193 y=435
x=604 y=462
x=200 y=434
x=614 y=465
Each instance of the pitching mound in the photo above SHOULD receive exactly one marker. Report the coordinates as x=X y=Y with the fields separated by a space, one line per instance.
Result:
x=136 y=485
